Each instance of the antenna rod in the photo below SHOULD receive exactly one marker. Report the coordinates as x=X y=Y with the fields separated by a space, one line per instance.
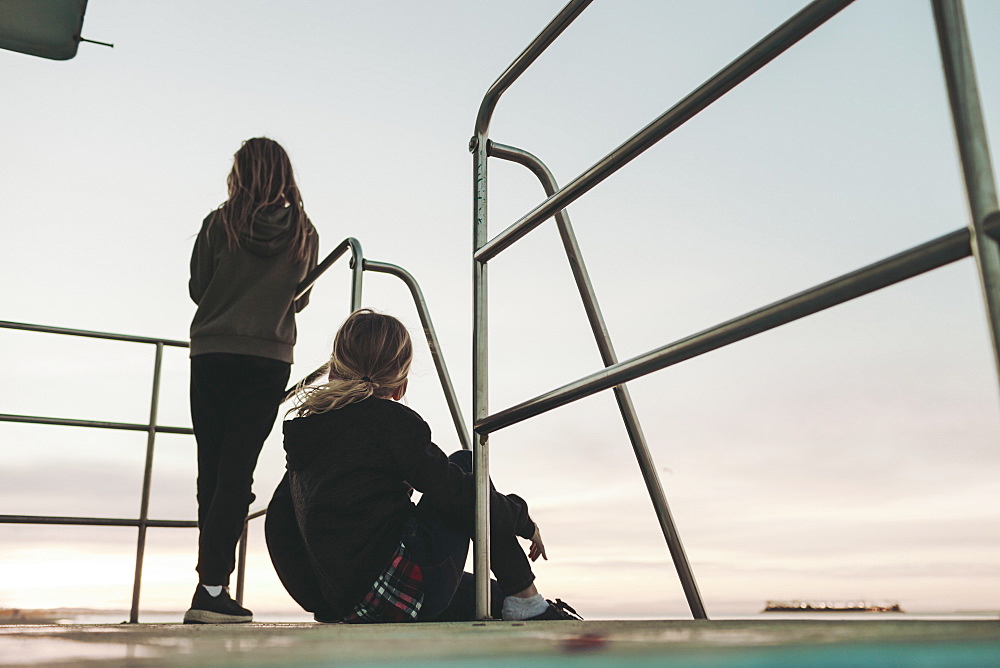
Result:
x=91 y=41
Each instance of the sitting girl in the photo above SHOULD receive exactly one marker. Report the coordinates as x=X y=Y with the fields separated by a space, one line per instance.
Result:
x=346 y=540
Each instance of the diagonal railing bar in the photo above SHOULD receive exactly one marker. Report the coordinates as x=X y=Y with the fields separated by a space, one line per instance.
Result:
x=766 y=50
x=432 y=342
x=608 y=356
x=780 y=40
x=926 y=257
x=974 y=151
x=357 y=276
x=350 y=243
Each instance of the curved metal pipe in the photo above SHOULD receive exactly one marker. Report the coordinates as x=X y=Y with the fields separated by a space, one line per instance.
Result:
x=632 y=426
x=432 y=342
x=349 y=243
x=357 y=273
x=555 y=27
x=759 y=55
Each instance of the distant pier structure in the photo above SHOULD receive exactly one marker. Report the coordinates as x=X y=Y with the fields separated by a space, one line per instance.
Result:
x=832 y=606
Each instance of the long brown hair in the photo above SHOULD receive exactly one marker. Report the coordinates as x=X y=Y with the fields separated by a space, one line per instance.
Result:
x=262 y=177
x=371 y=357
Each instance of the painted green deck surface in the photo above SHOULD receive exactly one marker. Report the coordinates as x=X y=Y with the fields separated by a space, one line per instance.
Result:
x=589 y=643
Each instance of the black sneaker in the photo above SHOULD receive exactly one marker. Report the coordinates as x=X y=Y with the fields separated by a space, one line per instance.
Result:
x=556 y=610
x=221 y=609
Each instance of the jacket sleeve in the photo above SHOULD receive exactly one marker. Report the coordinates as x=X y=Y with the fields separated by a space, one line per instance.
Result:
x=447 y=487
x=303 y=301
x=202 y=264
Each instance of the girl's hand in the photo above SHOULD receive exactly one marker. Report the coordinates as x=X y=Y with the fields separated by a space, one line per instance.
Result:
x=537 y=548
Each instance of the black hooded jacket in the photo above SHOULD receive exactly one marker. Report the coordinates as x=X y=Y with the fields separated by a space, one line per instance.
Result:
x=245 y=294
x=348 y=471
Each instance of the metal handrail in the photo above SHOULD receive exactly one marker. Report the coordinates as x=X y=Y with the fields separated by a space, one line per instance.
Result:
x=359 y=265
x=304 y=286
x=548 y=35
x=975 y=240
x=918 y=260
x=94 y=521
x=357 y=276
x=151 y=429
x=432 y=341
x=480 y=353
x=98 y=424
x=45 y=329
x=352 y=244
x=609 y=358
x=763 y=52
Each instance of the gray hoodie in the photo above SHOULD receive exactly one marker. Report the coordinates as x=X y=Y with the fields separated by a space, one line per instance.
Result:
x=244 y=294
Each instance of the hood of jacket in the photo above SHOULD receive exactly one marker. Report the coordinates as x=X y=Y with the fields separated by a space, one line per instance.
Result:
x=270 y=231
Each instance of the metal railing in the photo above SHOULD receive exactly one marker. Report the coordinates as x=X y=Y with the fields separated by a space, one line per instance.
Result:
x=358 y=266
x=151 y=429
x=979 y=239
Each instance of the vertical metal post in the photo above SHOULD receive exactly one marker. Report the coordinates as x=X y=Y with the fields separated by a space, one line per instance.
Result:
x=480 y=384
x=357 y=273
x=147 y=476
x=477 y=146
x=241 y=569
x=970 y=132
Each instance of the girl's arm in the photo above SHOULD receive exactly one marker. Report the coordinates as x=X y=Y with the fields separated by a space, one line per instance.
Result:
x=421 y=463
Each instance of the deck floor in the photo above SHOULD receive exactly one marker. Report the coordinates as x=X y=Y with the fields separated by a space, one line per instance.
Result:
x=587 y=643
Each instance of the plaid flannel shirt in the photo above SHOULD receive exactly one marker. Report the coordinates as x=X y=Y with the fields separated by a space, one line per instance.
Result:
x=395 y=596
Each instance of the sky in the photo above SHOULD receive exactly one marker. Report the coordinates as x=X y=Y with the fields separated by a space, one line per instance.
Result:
x=849 y=455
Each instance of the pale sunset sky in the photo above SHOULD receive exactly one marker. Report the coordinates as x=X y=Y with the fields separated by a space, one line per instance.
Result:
x=850 y=455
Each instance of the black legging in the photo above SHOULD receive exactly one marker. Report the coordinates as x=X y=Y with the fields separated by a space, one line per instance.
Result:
x=234 y=401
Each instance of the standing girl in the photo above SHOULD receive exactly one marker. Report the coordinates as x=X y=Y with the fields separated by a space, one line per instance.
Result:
x=344 y=537
x=250 y=256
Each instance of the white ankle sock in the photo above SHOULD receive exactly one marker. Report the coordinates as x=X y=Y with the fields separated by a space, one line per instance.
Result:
x=516 y=609
x=213 y=590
